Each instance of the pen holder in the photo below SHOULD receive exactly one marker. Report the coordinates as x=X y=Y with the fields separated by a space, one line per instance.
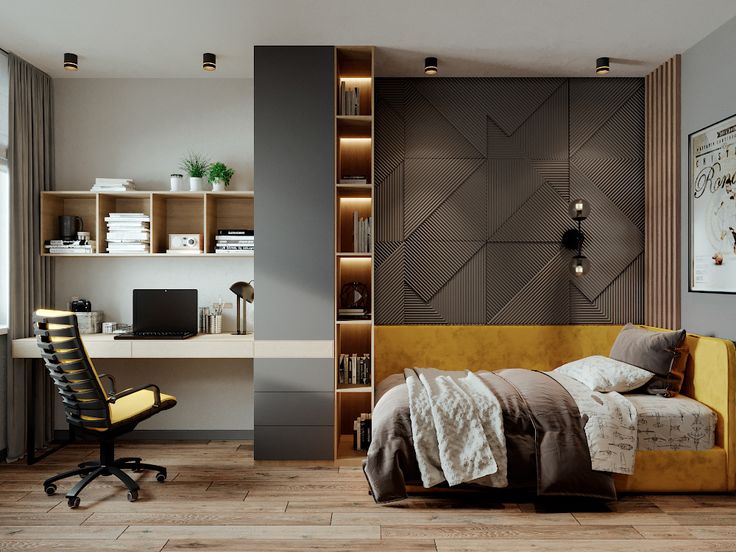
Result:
x=214 y=323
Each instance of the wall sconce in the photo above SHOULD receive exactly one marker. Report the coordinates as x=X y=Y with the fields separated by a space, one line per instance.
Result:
x=243 y=292
x=573 y=238
x=602 y=66
x=430 y=66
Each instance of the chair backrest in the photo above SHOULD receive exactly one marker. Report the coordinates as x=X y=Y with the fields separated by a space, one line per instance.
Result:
x=75 y=377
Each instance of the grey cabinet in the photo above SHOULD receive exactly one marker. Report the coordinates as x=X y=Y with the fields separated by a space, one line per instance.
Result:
x=294 y=272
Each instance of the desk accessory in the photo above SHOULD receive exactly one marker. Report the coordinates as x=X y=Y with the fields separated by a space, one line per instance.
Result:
x=187 y=243
x=77 y=304
x=89 y=322
x=69 y=225
x=244 y=292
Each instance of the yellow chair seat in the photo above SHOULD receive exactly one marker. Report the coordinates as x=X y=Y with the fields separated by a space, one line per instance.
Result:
x=135 y=405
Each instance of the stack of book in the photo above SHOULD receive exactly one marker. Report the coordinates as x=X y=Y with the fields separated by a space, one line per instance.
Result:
x=352 y=313
x=354 y=369
x=69 y=247
x=128 y=233
x=113 y=185
x=361 y=233
x=362 y=432
x=349 y=99
x=234 y=242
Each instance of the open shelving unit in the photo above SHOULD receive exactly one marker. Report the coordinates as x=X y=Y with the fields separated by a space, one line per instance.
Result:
x=171 y=213
x=353 y=158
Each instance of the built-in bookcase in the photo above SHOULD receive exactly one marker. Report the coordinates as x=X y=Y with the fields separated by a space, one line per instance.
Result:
x=354 y=204
x=170 y=213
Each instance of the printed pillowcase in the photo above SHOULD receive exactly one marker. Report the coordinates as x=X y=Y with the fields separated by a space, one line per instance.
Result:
x=664 y=354
x=605 y=374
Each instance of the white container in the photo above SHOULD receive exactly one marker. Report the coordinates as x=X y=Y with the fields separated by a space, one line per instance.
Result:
x=89 y=322
x=195 y=184
x=218 y=186
x=177 y=183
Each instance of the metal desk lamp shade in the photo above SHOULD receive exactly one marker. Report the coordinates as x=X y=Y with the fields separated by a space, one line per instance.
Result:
x=243 y=291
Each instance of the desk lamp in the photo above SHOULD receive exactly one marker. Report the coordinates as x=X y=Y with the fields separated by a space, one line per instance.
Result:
x=243 y=291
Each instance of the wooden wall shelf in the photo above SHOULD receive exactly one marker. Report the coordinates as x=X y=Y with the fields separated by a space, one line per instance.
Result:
x=170 y=212
x=353 y=158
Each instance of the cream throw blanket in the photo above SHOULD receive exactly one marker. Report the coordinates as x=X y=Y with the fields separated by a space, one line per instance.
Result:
x=457 y=424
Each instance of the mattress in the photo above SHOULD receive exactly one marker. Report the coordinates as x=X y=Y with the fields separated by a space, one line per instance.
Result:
x=675 y=423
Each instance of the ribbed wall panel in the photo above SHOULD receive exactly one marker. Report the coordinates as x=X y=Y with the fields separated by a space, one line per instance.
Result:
x=480 y=234
x=662 y=192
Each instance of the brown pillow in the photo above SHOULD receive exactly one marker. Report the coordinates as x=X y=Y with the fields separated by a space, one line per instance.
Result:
x=662 y=353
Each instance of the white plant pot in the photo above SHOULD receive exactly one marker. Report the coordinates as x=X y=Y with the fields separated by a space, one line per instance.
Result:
x=177 y=184
x=218 y=186
x=195 y=184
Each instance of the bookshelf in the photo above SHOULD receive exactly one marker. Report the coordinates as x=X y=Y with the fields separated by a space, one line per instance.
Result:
x=354 y=200
x=171 y=213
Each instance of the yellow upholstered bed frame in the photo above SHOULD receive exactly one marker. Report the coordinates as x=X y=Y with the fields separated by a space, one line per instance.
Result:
x=710 y=378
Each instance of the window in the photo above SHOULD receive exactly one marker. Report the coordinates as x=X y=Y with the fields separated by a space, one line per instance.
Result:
x=4 y=192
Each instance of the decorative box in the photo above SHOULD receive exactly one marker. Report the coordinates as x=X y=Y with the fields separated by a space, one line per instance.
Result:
x=89 y=322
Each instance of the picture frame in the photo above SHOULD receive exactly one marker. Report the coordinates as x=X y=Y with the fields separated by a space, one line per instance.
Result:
x=712 y=208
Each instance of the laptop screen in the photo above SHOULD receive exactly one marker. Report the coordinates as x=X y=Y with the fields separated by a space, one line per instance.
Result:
x=165 y=310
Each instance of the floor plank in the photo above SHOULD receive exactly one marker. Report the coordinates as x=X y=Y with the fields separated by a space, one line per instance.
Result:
x=219 y=498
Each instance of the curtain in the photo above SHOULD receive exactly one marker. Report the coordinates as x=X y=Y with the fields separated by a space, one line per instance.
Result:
x=31 y=166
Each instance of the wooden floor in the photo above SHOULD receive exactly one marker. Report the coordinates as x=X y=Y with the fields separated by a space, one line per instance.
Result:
x=217 y=498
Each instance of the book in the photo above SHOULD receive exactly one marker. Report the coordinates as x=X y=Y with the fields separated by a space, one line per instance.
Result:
x=353 y=180
x=246 y=252
x=113 y=236
x=235 y=232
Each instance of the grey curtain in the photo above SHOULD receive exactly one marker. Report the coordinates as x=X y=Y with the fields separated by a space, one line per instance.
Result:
x=31 y=166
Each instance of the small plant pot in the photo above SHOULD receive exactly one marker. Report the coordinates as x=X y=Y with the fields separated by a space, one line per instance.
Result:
x=218 y=186
x=177 y=183
x=195 y=184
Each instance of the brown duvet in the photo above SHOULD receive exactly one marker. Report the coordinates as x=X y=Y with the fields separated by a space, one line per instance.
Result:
x=545 y=439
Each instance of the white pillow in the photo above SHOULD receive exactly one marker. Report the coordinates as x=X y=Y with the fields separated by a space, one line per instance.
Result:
x=605 y=374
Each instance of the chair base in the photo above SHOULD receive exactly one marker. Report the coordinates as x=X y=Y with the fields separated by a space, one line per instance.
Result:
x=107 y=466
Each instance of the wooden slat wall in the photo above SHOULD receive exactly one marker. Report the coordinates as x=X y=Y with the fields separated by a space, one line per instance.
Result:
x=662 y=234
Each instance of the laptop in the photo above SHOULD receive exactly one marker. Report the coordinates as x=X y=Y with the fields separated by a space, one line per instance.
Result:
x=163 y=314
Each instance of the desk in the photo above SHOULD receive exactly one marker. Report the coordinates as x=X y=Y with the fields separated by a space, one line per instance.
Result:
x=200 y=346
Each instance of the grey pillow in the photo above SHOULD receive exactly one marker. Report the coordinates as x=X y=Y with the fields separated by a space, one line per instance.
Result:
x=661 y=353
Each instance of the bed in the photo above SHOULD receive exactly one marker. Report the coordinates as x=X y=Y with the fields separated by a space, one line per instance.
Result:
x=685 y=446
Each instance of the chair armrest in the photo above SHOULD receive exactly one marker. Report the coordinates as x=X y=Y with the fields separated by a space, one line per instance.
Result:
x=112 y=381
x=131 y=390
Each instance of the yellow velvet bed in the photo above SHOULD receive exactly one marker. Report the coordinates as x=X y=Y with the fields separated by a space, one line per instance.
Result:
x=710 y=379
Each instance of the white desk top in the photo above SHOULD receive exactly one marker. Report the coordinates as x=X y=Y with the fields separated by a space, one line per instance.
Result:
x=200 y=346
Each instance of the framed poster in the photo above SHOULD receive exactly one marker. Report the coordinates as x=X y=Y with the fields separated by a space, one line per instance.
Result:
x=712 y=208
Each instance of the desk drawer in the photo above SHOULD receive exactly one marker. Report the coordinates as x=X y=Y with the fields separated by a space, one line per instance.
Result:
x=294 y=409
x=292 y=375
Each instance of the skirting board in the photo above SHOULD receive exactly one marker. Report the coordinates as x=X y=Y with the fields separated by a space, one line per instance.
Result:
x=178 y=435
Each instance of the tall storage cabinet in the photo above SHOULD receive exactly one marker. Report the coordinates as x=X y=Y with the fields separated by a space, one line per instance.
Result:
x=294 y=275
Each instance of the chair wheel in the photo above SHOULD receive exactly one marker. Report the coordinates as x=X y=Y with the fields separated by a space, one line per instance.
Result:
x=161 y=477
x=50 y=490
x=132 y=496
x=73 y=502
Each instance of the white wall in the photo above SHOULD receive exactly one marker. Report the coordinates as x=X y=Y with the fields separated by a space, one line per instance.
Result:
x=140 y=129
x=708 y=85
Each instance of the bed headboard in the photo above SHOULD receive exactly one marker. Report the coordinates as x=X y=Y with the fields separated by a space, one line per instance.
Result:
x=710 y=377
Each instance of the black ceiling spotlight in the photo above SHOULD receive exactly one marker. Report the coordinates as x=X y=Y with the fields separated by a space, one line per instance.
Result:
x=209 y=62
x=573 y=238
x=71 y=62
x=430 y=66
x=602 y=66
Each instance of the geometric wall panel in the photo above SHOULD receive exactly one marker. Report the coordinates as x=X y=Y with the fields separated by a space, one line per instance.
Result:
x=473 y=180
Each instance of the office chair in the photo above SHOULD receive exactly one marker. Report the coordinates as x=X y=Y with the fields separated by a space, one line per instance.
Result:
x=90 y=409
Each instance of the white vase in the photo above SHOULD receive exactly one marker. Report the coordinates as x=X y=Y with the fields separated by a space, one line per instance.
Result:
x=218 y=186
x=195 y=183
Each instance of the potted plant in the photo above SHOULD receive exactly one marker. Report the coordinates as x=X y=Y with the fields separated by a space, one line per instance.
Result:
x=196 y=166
x=219 y=176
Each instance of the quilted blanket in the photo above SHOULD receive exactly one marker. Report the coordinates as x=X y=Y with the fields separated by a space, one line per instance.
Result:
x=457 y=425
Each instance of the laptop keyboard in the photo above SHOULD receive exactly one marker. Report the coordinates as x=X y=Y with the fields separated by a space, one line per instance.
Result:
x=159 y=334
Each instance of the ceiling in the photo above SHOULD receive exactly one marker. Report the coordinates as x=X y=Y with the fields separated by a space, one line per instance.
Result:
x=166 y=38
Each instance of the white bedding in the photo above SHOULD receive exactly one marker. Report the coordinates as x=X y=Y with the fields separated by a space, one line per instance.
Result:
x=611 y=427
x=674 y=423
